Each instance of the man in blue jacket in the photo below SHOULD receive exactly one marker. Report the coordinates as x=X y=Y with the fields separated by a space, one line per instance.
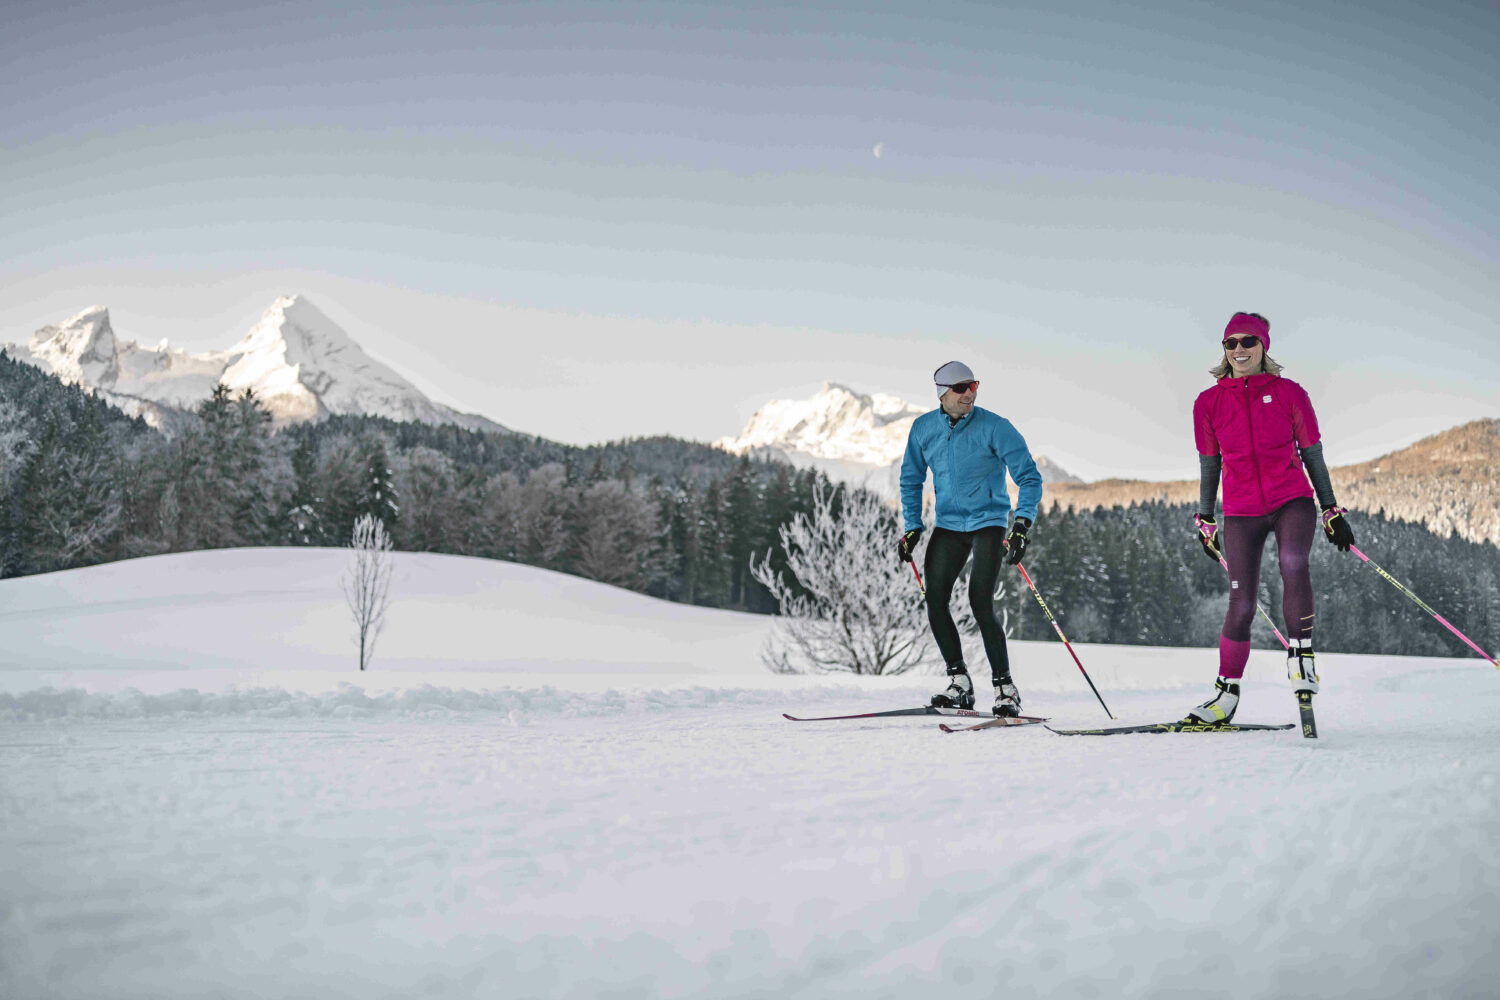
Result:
x=968 y=450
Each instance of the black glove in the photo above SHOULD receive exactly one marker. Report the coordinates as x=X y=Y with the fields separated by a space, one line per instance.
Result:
x=1208 y=534
x=1337 y=526
x=909 y=544
x=1015 y=542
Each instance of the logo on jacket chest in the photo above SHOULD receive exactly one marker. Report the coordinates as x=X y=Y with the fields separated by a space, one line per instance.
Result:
x=1265 y=399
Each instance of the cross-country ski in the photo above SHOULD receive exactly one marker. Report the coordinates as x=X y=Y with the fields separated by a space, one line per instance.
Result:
x=1175 y=727
x=893 y=713
x=997 y=723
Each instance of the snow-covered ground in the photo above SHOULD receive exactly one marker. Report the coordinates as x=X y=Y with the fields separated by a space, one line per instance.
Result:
x=548 y=788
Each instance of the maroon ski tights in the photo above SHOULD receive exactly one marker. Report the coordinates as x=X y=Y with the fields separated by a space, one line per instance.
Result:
x=1244 y=540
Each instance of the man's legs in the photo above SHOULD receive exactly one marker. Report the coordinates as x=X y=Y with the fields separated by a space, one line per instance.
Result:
x=947 y=551
x=989 y=556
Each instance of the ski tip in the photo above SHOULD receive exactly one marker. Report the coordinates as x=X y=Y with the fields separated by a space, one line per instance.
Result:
x=946 y=728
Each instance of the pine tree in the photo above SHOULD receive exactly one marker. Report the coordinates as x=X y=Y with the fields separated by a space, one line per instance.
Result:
x=377 y=494
x=65 y=508
x=302 y=521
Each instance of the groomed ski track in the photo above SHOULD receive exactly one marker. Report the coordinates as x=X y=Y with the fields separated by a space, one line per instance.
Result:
x=531 y=831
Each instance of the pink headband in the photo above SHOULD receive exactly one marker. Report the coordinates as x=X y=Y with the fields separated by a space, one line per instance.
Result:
x=1256 y=326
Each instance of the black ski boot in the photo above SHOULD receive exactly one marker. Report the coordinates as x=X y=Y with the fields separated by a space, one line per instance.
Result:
x=1219 y=709
x=960 y=690
x=1007 y=698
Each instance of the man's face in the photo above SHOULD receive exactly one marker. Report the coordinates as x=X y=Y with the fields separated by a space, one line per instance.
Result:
x=960 y=403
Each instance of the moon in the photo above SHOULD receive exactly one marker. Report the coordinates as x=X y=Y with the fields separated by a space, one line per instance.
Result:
x=879 y=148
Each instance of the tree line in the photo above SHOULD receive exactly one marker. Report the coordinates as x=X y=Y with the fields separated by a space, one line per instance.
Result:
x=82 y=483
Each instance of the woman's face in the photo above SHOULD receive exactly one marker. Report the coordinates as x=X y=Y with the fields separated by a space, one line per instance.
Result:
x=1243 y=358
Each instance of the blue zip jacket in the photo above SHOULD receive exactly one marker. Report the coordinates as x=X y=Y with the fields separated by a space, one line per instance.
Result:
x=968 y=463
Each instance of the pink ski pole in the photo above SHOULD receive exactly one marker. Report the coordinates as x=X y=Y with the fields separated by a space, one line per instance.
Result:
x=1423 y=605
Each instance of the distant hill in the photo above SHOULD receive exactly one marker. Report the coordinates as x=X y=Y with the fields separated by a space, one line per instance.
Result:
x=1449 y=482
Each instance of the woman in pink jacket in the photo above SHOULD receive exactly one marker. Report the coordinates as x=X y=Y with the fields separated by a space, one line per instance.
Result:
x=1260 y=430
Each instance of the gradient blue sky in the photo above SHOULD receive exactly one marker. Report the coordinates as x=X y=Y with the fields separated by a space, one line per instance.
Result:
x=597 y=220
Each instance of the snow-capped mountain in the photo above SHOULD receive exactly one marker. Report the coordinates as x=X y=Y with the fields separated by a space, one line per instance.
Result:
x=300 y=363
x=853 y=437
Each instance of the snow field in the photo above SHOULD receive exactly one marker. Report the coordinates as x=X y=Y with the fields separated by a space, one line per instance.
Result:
x=249 y=830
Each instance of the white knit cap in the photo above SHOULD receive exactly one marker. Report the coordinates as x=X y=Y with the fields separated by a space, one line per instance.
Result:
x=953 y=371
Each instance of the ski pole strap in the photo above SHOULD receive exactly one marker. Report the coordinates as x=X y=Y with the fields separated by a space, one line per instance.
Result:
x=1423 y=605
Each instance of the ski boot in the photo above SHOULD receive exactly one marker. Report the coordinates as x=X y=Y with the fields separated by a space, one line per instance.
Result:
x=960 y=690
x=1303 y=673
x=1007 y=698
x=1300 y=669
x=1219 y=709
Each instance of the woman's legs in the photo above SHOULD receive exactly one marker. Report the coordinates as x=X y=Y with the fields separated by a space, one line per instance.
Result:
x=1244 y=541
x=1296 y=524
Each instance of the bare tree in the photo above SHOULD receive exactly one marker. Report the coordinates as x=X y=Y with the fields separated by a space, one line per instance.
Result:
x=367 y=582
x=859 y=609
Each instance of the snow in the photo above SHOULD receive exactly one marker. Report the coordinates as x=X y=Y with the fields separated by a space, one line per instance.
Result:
x=550 y=788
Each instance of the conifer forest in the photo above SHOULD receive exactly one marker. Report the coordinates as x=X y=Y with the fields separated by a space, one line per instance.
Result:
x=82 y=483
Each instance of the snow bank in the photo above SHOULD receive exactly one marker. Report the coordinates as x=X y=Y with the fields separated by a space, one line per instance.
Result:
x=350 y=701
x=282 y=609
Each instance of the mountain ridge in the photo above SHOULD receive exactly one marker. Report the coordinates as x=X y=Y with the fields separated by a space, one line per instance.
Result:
x=1446 y=481
x=300 y=363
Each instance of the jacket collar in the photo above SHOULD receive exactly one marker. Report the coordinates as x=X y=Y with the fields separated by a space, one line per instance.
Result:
x=1256 y=381
x=953 y=424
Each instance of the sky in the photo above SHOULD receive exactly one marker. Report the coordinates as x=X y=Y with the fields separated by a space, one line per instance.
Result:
x=591 y=221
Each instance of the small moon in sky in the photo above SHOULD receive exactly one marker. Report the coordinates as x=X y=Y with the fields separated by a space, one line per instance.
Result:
x=879 y=148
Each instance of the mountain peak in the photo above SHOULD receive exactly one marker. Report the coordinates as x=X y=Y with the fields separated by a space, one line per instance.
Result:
x=81 y=350
x=853 y=436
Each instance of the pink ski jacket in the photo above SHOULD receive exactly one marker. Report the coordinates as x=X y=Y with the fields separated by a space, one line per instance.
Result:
x=1257 y=424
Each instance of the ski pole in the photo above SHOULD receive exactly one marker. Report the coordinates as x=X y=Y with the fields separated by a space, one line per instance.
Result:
x=920 y=586
x=1048 y=612
x=1423 y=605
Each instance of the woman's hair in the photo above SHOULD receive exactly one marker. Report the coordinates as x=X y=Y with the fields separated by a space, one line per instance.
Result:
x=1268 y=364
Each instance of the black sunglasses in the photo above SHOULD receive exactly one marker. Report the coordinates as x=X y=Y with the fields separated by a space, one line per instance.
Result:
x=1235 y=343
x=963 y=387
